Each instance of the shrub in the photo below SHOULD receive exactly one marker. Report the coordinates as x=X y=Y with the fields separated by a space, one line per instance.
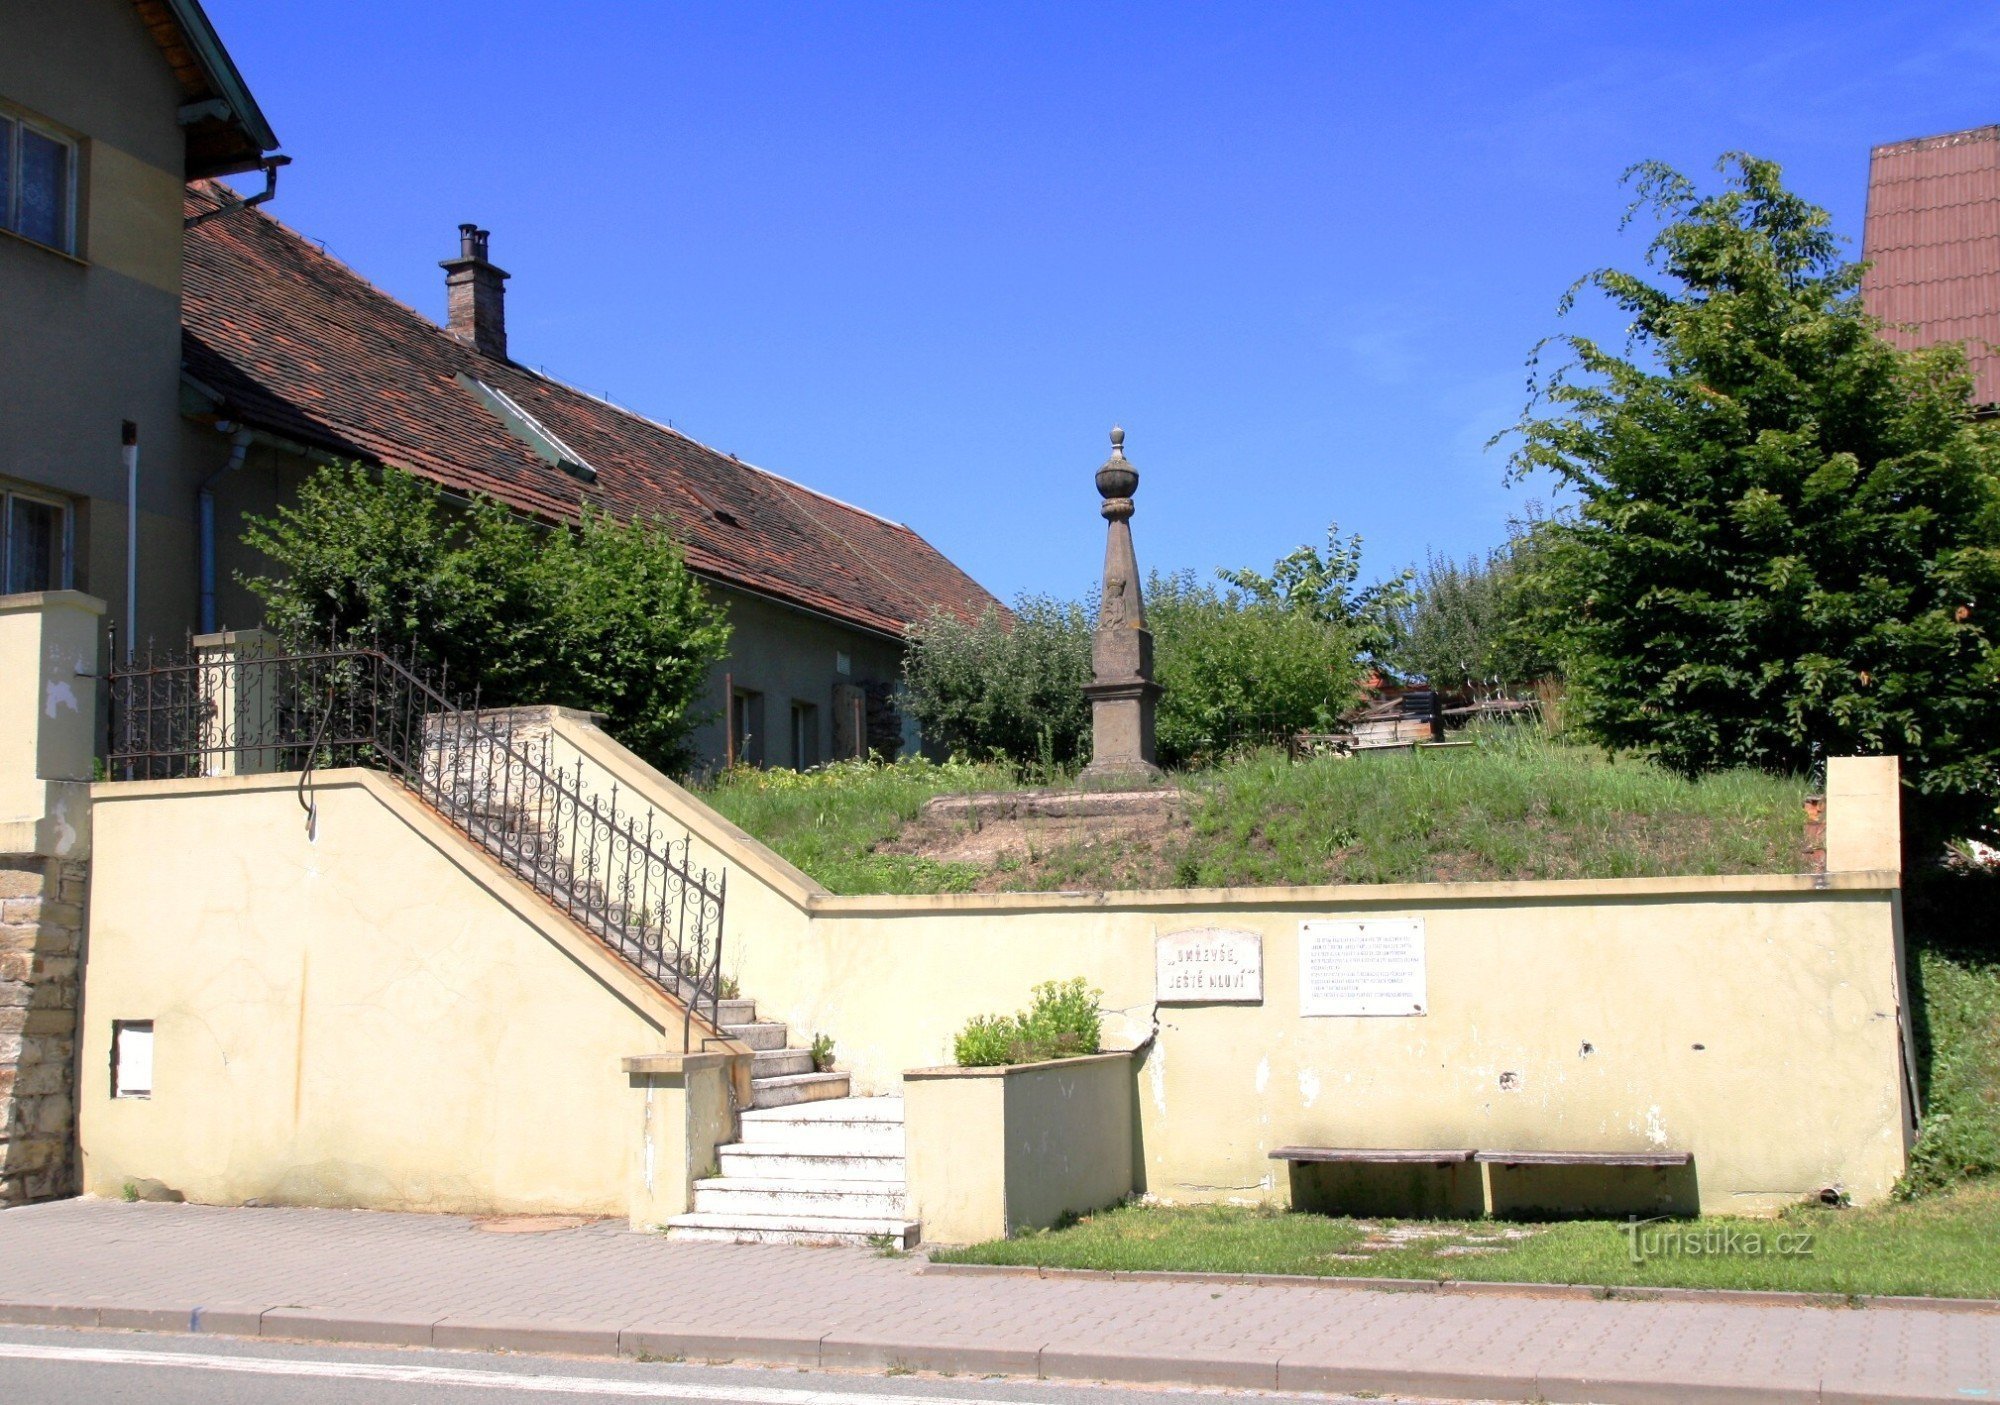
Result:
x=1232 y=668
x=603 y=615
x=1004 y=685
x=1061 y=1023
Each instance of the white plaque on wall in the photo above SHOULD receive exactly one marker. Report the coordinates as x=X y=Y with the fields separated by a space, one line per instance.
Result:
x=1209 y=965
x=1370 y=966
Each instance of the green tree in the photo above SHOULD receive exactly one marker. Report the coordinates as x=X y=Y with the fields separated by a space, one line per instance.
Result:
x=1011 y=684
x=1321 y=584
x=1786 y=533
x=1233 y=666
x=1492 y=620
x=603 y=615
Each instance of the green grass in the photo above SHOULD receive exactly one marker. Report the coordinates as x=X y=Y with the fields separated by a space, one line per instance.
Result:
x=1941 y=1246
x=828 y=821
x=1955 y=998
x=1513 y=805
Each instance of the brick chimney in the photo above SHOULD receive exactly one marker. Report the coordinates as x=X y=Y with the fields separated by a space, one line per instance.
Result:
x=476 y=294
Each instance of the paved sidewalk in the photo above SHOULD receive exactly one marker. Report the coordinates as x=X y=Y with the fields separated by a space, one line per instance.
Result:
x=437 y=1280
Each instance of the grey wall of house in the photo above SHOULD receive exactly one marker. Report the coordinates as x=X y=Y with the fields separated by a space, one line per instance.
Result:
x=787 y=656
x=90 y=341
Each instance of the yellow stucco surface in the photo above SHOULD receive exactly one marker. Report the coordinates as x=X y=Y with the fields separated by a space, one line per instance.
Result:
x=374 y=1016
x=1753 y=1021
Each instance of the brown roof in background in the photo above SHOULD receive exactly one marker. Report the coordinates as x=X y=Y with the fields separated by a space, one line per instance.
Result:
x=1933 y=237
x=297 y=343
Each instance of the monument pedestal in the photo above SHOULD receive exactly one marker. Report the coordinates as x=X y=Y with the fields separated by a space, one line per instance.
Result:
x=1121 y=735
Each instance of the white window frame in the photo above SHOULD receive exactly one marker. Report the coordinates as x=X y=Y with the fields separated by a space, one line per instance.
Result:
x=9 y=218
x=65 y=550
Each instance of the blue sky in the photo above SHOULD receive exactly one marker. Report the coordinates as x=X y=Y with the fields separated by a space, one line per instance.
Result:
x=921 y=257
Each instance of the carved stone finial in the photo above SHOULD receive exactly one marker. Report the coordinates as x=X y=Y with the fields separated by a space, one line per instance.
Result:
x=1117 y=441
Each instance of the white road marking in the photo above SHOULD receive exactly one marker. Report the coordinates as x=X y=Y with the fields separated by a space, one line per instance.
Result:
x=453 y=1376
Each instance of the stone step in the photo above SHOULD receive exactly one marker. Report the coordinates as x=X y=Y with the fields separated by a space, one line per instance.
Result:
x=794 y=1229
x=765 y=1034
x=779 y=1063
x=833 y=1126
x=736 y=1195
x=797 y=1088
x=730 y=1012
x=852 y=1109
x=780 y=1161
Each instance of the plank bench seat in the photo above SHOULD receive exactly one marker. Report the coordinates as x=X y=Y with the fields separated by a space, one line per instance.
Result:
x=1662 y=1159
x=1421 y=1156
x=1374 y=1156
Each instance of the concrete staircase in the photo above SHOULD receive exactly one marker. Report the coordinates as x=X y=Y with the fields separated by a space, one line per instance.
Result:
x=780 y=1076
x=826 y=1170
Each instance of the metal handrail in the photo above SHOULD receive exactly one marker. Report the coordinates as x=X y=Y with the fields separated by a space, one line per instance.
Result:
x=614 y=871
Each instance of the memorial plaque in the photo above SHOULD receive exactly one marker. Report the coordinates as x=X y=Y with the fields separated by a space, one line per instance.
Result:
x=1371 y=966
x=1209 y=965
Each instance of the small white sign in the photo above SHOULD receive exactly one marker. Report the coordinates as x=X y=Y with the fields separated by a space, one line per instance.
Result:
x=1208 y=966
x=1371 y=966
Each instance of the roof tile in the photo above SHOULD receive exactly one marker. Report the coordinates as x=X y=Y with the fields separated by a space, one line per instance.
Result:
x=298 y=344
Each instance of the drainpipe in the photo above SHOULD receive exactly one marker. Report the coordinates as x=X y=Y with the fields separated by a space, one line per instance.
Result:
x=129 y=437
x=239 y=445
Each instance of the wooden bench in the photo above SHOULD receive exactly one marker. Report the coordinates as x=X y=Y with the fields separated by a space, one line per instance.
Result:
x=1374 y=1156
x=1662 y=1160
x=1423 y=1156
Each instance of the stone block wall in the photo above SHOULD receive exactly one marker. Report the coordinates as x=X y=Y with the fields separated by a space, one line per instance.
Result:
x=41 y=931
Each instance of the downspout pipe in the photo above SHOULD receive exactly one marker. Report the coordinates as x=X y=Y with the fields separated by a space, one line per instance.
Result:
x=129 y=447
x=239 y=445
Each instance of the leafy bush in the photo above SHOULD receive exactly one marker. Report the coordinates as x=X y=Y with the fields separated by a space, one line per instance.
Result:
x=1061 y=1023
x=1322 y=585
x=1007 y=686
x=1788 y=534
x=603 y=615
x=1232 y=667
x=1484 y=620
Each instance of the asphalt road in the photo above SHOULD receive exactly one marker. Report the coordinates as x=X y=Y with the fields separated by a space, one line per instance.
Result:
x=57 y=1367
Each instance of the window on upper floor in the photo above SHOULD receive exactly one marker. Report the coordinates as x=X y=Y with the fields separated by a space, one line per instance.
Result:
x=34 y=544
x=37 y=184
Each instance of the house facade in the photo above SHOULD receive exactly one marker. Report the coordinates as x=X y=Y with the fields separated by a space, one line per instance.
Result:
x=294 y=359
x=107 y=109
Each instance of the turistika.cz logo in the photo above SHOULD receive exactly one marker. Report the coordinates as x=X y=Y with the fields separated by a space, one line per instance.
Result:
x=1663 y=1238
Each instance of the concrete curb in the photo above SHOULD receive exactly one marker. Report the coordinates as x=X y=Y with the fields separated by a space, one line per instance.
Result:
x=1310 y=1369
x=1462 y=1287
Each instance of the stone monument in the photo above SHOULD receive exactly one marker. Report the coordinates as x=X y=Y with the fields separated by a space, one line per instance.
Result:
x=1121 y=691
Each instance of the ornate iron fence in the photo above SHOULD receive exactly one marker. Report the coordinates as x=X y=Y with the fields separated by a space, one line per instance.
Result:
x=243 y=708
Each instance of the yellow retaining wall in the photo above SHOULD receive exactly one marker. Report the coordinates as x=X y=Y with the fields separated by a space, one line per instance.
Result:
x=1755 y=1021
x=375 y=1016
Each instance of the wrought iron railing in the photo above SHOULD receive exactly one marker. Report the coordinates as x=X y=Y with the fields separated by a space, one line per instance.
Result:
x=492 y=773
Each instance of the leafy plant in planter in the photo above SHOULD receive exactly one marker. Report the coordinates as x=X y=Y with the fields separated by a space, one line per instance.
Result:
x=1061 y=1023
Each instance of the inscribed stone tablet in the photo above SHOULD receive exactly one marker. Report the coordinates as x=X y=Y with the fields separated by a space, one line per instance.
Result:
x=1209 y=965
x=1374 y=966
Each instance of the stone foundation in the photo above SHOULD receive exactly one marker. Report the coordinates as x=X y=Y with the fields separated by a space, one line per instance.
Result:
x=41 y=929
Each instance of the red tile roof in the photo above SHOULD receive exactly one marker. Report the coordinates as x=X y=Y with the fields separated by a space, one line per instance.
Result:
x=1933 y=236
x=296 y=343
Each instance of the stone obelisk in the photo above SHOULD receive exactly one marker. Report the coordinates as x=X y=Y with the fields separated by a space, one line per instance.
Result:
x=1121 y=691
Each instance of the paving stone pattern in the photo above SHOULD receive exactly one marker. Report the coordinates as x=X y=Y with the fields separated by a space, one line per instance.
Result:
x=41 y=925
x=357 y=1276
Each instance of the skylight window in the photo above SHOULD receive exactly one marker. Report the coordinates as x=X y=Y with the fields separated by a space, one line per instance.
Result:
x=530 y=431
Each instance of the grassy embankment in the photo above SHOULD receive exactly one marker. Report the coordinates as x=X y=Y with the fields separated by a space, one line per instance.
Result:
x=1513 y=805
